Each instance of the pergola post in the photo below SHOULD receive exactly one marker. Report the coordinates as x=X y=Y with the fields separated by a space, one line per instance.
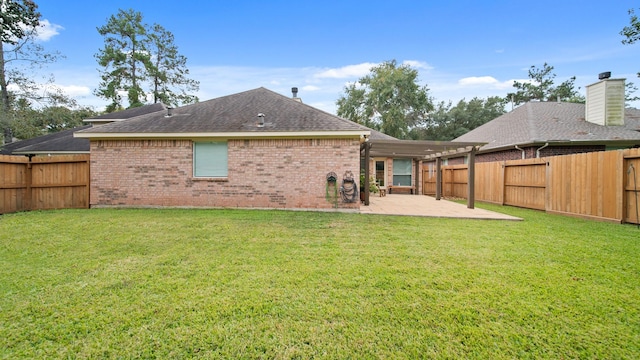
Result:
x=471 y=182
x=438 y=178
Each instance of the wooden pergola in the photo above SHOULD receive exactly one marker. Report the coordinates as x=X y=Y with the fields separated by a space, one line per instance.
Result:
x=422 y=150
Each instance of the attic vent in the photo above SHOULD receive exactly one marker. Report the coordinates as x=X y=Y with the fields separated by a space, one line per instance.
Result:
x=169 y=111
x=260 y=120
x=294 y=92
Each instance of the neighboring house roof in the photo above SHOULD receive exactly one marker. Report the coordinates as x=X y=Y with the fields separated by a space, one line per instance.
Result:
x=61 y=142
x=553 y=122
x=377 y=135
x=127 y=114
x=64 y=142
x=233 y=116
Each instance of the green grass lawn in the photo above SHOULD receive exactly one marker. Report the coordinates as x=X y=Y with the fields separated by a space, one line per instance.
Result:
x=275 y=284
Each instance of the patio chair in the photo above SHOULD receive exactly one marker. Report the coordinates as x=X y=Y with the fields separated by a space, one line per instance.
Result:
x=382 y=190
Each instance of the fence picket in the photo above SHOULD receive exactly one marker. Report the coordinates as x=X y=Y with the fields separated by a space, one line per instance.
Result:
x=47 y=182
x=597 y=185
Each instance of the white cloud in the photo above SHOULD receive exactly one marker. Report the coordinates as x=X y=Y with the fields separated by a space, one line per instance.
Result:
x=47 y=30
x=310 y=88
x=509 y=83
x=44 y=32
x=348 y=71
x=477 y=80
x=75 y=90
x=360 y=70
x=417 y=64
x=486 y=81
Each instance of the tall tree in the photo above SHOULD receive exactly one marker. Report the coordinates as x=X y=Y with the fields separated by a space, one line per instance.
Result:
x=631 y=35
x=631 y=32
x=48 y=119
x=448 y=122
x=389 y=99
x=168 y=70
x=541 y=87
x=629 y=93
x=140 y=60
x=352 y=105
x=124 y=57
x=18 y=18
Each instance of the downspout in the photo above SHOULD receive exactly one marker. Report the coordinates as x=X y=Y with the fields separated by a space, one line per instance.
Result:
x=523 y=155
x=540 y=148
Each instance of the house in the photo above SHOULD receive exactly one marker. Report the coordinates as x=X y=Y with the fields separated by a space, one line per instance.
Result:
x=64 y=143
x=541 y=129
x=254 y=149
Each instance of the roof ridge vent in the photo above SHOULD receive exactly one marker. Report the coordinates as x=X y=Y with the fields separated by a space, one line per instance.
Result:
x=294 y=92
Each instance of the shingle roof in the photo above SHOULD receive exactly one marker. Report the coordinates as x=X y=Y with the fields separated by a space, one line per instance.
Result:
x=129 y=113
x=536 y=122
x=60 y=142
x=377 y=135
x=237 y=113
x=65 y=142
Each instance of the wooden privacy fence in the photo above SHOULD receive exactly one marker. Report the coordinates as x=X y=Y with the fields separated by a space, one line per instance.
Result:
x=47 y=182
x=598 y=185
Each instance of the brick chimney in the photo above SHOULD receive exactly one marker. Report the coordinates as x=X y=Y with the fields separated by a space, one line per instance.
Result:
x=605 y=101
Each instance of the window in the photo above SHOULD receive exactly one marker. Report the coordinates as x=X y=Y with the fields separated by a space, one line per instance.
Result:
x=381 y=172
x=402 y=172
x=210 y=159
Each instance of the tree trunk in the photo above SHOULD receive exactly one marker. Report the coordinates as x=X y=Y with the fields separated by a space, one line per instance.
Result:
x=5 y=105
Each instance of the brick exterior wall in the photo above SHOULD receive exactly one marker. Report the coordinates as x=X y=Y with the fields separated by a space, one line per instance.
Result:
x=416 y=172
x=511 y=154
x=529 y=152
x=455 y=161
x=277 y=173
x=568 y=150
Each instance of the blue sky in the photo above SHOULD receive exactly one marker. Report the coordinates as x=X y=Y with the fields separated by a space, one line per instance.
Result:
x=462 y=49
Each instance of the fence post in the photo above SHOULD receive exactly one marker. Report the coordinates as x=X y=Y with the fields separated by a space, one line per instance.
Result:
x=88 y=182
x=547 y=186
x=503 y=188
x=28 y=180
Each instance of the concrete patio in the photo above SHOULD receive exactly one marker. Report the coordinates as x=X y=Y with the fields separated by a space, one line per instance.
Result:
x=427 y=206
